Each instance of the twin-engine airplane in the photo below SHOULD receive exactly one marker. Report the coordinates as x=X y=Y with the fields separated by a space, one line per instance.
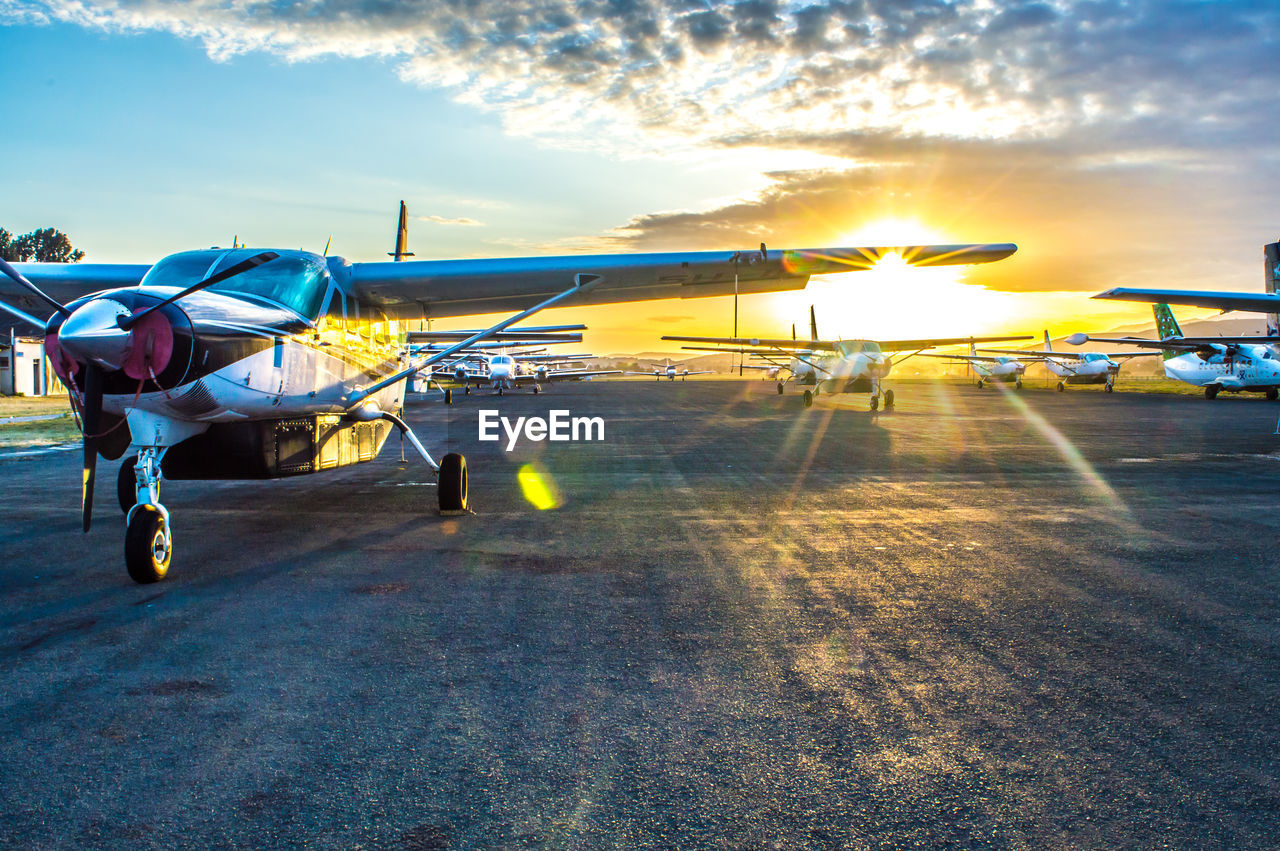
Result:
x=248 y=364
x=1232 y=364
x=835 y=366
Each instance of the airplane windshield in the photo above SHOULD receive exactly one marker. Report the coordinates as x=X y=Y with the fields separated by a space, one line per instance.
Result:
x=855 y=347
x=297 y=281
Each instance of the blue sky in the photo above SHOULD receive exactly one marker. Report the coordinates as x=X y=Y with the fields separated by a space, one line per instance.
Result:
x=1117 y=141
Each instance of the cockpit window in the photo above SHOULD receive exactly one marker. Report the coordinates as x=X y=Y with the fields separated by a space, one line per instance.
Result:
x=297 y=281
x=855 y=347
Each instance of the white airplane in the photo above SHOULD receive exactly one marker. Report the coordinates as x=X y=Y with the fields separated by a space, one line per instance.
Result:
x=670 y=371
x=1232 y=364
x=1083 y=368
x=250 y=363
x=838 y=366
x=505 y=371
x=1001 y=368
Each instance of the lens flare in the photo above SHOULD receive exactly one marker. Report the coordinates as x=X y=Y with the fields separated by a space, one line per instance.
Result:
x=538 y=487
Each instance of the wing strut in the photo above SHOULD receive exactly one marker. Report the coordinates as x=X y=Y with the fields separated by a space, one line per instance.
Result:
x=581 y=283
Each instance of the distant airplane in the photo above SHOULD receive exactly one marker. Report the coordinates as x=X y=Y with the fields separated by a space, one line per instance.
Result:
x=1003 y=368
x=1232 y=364
x=253 y=363
x=506 y=371
x=1082 y=368
x=838 y=366
x=671 y=371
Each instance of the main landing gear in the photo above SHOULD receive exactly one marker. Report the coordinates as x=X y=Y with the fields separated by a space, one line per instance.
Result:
x=1211 y=391
x=980 y=383
x=779 y=388
x=1062 y=385
x=448 y=396
x=808 y=398
x=1273 y=393
x=536 y=389
x=1017 y=385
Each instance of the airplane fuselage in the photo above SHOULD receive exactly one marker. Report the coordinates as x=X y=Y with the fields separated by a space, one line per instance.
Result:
x=1093 y=368
x=1235 y=368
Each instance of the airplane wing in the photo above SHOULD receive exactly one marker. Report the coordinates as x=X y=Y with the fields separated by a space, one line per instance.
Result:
x=1042 y=354
x=964 y=358
x=420 y=289
x=1180 y=342
x=773 y=345
x=567 y=375
x=432 y=288
x=696 y=372
x=1224 y=301
x=907 y=345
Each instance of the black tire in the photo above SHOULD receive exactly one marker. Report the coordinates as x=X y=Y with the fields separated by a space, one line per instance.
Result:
x=888 y=399
x=1211 y=392
x=1273 y=393
x=808 y=398
x=499 y=391
x=467 y=390
x=448 y=395
x=979 y=384
x=1062 y=386
x=127 y=484
x=147 y=553
x=1017 y=385
x=779 y=388
x=453 y=483
x=1109 y=388
x=536 y=390
x=875 y=403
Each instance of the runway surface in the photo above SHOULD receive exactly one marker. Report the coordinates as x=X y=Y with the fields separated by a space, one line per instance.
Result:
x=986 y=619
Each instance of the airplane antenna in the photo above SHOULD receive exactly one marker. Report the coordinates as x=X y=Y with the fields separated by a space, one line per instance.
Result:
x=327 y=243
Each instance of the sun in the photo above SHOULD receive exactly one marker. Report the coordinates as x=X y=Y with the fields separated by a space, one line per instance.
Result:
x=894 y=300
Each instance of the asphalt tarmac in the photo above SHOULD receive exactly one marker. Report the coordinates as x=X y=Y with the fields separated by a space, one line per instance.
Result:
x=986 y=619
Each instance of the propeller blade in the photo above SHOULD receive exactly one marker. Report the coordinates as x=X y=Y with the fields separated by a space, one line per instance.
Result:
x=92 y=418
x=127 y=322
x=22 y=281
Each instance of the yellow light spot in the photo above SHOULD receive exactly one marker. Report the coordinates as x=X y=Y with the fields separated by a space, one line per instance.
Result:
x=538 y=487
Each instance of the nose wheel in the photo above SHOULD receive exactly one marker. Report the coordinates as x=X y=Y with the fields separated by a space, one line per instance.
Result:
x=148 y=544
x=148 y=540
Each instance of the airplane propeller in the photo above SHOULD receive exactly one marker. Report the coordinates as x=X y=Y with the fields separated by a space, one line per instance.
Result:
x=92 y=422
x=91 y=404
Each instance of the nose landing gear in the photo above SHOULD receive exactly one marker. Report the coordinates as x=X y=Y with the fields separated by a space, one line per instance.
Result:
x=148 y=540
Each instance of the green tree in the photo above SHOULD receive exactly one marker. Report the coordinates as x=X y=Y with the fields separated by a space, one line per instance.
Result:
x=45 y=245
x=7 y=249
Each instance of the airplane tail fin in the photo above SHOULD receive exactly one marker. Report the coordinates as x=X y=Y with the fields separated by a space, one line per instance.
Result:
x=1166 y=326
x=1048 y=344
x=973 y=349
x=793 y=330
x=813 y=324
x=402 y=237
x=1271 y=273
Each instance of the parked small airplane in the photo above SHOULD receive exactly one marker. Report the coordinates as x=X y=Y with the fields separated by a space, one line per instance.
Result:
x=505 y=371
x=836 y=366
x=671 y=371
x=1001 y=367
x=1083 y=368
x=251 y=363
x=1232 y=364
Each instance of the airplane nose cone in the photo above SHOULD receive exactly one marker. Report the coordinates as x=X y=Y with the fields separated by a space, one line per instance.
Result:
x=92 y=333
